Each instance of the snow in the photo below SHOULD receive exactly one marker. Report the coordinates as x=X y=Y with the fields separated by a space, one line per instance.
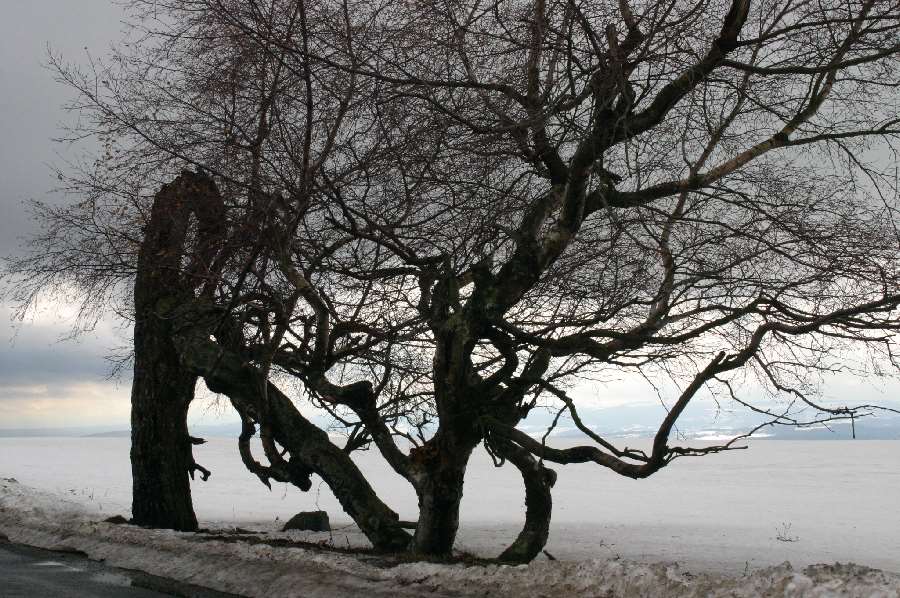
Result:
x=719 y=517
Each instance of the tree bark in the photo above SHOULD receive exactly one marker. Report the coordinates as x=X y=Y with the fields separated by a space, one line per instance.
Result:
x=160 y=447
x=538 y=505
x=161 y=458
x=442 y=462
x=225 y=372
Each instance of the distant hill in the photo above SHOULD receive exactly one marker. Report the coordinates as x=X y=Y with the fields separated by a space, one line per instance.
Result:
x=626 y=421
x=229 y=430
x=113 y=434
x=699 y=422
x=44 y=432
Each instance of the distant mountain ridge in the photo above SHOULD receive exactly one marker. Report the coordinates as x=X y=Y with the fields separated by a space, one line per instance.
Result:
x=229 y=430
x=113 y=434
x=627 y=421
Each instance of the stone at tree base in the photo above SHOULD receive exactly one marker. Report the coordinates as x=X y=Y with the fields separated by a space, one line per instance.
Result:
x=117 y=519
x=313 y=521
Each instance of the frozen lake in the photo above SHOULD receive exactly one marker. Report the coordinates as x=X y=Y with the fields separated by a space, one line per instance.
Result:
x=802 y=501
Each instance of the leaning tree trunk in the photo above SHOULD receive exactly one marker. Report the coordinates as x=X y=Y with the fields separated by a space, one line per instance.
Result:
x=226 y=372
x=169 y=274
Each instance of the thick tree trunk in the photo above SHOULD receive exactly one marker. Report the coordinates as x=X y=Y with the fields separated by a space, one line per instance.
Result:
x=160 y=446
x=161 y=458
x=161 y=392
x=443 y=462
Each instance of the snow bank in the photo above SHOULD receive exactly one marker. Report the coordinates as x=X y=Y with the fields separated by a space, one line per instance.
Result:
x=53 y=521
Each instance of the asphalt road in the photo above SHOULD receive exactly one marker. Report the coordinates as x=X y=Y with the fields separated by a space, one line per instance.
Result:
x=35 y=573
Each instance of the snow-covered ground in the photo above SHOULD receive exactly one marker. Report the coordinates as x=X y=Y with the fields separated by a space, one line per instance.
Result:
x=836 y=501
x=49 y=520
x=805 y=502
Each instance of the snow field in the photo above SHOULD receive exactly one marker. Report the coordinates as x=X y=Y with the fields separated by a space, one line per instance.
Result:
x=730 y=521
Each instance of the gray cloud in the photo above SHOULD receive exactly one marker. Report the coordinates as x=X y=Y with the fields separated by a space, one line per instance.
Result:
x=31 y=102
x=34 y=354
x=36 y=369
x=33 y=361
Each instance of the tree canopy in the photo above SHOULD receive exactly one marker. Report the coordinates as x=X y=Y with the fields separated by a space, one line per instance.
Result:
x=436 y=216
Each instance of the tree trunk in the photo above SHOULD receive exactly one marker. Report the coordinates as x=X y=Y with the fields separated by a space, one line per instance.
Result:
x=226 y=373
x=538 y=505
x=161 y=458
x=443 y=461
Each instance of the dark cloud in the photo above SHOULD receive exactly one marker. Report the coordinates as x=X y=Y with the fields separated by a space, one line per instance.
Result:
x=36 y=368
x=33 y=353
x=31 y=101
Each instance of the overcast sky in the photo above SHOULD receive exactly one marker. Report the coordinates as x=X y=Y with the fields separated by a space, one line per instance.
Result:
x=31 y=101
x=48 y=383
x=44 y=382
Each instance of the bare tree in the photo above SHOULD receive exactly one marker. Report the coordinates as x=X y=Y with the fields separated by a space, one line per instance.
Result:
x=441 y=216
